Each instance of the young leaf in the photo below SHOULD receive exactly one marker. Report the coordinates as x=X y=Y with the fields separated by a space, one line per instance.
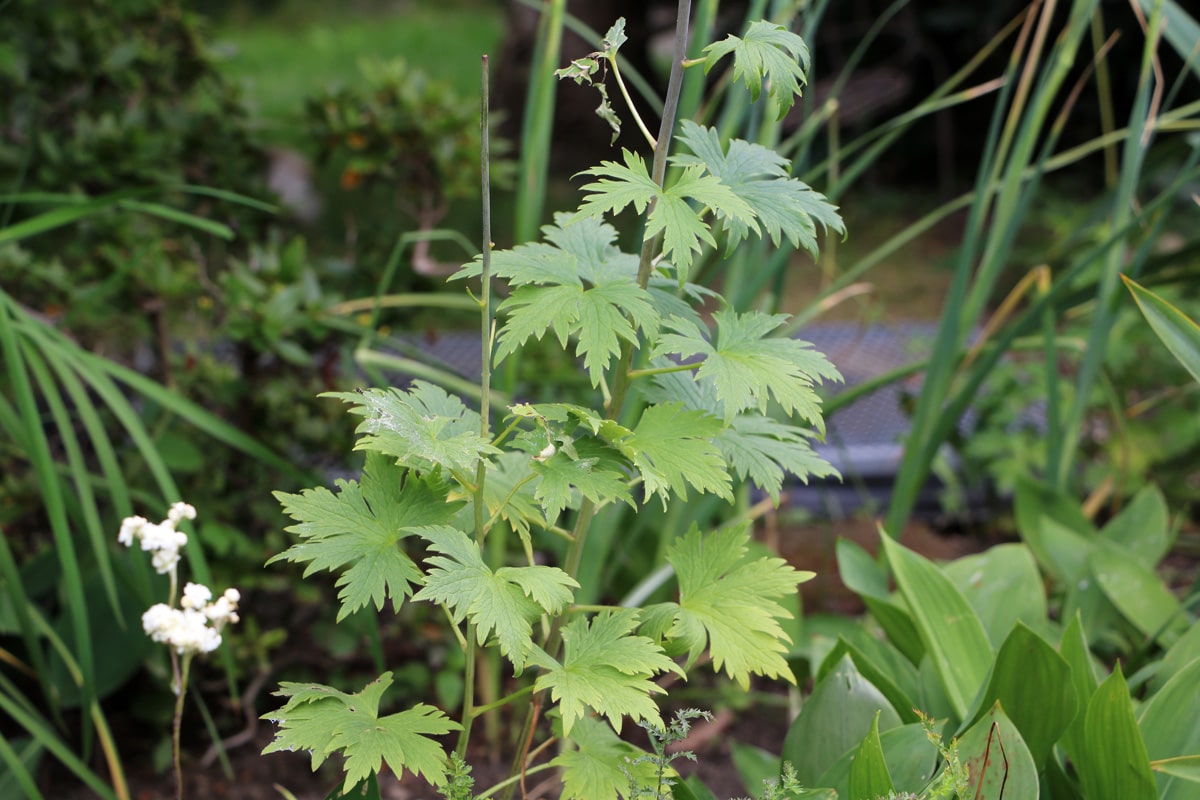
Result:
x=594 y=477
x=503 y=601
x=671 y=447
x=748 y=367
x=604 y=668
x=782 y=205
x=423 y=428
x=684 y=231
x=767 y=52
x=731 y=605
x=361 y=526
x=323 y=721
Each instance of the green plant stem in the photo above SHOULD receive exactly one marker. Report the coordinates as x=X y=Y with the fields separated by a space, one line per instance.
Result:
x=485 y=381
x=180 y=675
x=637 y=118
x=621 y=382
x=503 y=701
x=508 y=783
x=645 y=373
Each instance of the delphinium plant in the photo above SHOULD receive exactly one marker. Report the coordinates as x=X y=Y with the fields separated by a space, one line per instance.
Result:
x=188 y=629
x=682 y=407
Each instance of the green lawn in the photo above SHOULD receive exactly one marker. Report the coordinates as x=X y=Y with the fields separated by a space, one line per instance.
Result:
x=280 y=59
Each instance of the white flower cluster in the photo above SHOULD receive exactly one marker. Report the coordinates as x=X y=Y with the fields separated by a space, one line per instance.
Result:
x=187 y=629
x=162 y=539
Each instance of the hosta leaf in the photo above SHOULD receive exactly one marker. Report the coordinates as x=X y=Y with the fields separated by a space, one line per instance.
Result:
x=783 y=206
x=605 y=668
x=730 y=605
x=423 y=428
x=323 y=721
x=767 y=52
x=503 y=602
x=360 y=529
x=749 y=367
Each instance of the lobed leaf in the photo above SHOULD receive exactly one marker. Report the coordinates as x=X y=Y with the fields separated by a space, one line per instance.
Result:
x=783 y=206
x=323 y=720
x=767 y=52
x=749 y=367
x=730 y=605
x=424 y=428
x=604 y=668
x=503 y=602
x=359 y=529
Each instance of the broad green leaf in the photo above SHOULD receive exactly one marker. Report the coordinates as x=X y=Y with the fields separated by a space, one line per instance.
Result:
x=833 y=720
x=1178 y=332
x=605 y=668
x=731 y=605
x=1138 y=593
x=998 y=762
x=672 y=449
x=749 y=367
x=783 y=206
x=323 y=720
x=1185 y=650
x=422 y=428
x=1114 y=764
x=1142 y=528
x=503 y=602
x=1074 y=649
x=1032 y=683
x=869 y=776
x=910 y=757
x=768 y=52
x=863 y=575
x=883 y=665
x=1036 y=504
x=952 y=634
x=593 y=769
x=755 y=766
x=358 y=531
x=1004 y=587
x=1170 y=727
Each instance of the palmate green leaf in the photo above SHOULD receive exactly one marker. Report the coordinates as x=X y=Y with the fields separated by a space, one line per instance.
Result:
x=767 y=52
x=577 y=284
x=757 y=447
x=620 y=185
x=682 y=226
x=749 y=367
x=783 y=206
x=671 y=448
x=605 y=668
x=596 y=768
x=503 y=602
x=360 y=529
x=593 y=477
x=729 y=605
x=423 y=429
x=323 y=721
